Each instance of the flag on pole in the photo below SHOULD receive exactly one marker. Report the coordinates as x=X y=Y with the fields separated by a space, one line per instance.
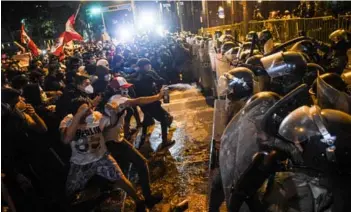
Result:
x=58 y=48
x=68 y=35
x=25 y=39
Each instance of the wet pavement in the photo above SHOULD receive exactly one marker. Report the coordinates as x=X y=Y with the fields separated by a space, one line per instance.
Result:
x=181 y=172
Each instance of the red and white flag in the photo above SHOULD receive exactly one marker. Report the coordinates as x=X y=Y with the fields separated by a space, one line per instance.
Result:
x=58 y=48
x=68 y=35
x=25 y=39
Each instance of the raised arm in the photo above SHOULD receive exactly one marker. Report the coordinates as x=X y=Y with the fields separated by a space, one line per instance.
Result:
x=34 y=121
x=144 y=100
x=69 y=132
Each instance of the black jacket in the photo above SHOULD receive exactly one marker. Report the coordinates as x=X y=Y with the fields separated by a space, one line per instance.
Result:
x=146 y=83
x=63 y=106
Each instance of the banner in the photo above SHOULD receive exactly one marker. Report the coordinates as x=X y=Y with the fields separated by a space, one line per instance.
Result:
x=23 y=59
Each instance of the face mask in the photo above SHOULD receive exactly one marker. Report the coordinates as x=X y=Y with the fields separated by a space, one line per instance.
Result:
x=89 y=89
x=107 y=77
x=124 y=92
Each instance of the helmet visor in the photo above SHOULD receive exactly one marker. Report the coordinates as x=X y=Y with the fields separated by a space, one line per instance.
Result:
x=275 y=65
x=298 y=126
x=329 y=97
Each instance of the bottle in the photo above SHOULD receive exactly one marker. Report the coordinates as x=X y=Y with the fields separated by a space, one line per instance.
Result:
x=166 y=96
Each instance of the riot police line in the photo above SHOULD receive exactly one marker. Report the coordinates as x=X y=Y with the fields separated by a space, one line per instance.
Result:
x=281 y=134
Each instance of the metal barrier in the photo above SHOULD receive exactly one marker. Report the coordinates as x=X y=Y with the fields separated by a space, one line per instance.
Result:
x=286 y=29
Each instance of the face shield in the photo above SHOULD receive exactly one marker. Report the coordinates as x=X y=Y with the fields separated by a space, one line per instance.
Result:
x=231 y=54
x=298 y=126
x=331 y=98
x=337 y=35
x=346 y=77
x=274 y=65
x=282 y=64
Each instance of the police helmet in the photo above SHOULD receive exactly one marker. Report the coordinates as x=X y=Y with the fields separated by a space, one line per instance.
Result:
x=264 y=36
x=322 y=136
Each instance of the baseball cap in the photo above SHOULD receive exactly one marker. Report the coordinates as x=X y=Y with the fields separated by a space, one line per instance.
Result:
x=102 y=70
x=102 y=62
x=119 y=82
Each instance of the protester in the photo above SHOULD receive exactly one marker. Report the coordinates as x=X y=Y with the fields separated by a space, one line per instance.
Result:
x=146 y=83
x=83 y=130
x=119 y=147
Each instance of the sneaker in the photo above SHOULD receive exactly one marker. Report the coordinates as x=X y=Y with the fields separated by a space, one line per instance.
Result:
x=153 y=200
x=166 y=144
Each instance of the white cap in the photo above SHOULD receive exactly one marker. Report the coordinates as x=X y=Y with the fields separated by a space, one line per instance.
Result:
x=102 y=62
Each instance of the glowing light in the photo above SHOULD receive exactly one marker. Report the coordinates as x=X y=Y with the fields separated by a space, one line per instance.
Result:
x=43 y=51
x=125 y=33
x=95 y=10
x=259 y=1
x=160 y=31
x=147 y=18
x=221 y=12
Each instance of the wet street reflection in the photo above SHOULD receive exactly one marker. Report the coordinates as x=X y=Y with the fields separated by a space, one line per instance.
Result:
x=181 y=172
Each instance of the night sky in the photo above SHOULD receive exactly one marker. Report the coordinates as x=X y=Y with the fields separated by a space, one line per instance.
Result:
x=12 y=12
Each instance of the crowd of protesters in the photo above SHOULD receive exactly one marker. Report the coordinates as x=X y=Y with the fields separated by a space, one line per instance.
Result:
x=67 y=119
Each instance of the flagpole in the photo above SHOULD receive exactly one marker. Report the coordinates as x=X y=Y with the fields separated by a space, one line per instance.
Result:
x=75 y=16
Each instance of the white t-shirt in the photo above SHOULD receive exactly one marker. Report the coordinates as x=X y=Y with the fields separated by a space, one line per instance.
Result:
x=89 y=144
x=116 y=135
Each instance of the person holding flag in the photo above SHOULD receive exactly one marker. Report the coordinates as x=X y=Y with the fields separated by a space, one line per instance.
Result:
x=68 y=35
x=25 y=39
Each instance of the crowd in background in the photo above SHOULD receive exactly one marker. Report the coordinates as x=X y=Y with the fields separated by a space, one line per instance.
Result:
x=40 y=103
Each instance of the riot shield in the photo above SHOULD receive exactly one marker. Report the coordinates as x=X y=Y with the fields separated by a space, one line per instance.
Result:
x=195 y=61
x=239 y=141
x=212 y=54
x=331 y=98
x=205 y=73
x=222 y=65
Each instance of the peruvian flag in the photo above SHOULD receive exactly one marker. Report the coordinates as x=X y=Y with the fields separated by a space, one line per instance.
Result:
x=25 y=39
x=68 y=35
x=58 y=48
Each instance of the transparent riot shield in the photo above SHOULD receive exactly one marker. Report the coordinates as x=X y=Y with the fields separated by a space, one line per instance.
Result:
x=329 y=97
x=205 y=73
x=239 y=141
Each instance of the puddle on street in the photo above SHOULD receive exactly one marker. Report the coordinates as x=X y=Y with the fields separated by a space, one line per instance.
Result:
x=180 y=172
